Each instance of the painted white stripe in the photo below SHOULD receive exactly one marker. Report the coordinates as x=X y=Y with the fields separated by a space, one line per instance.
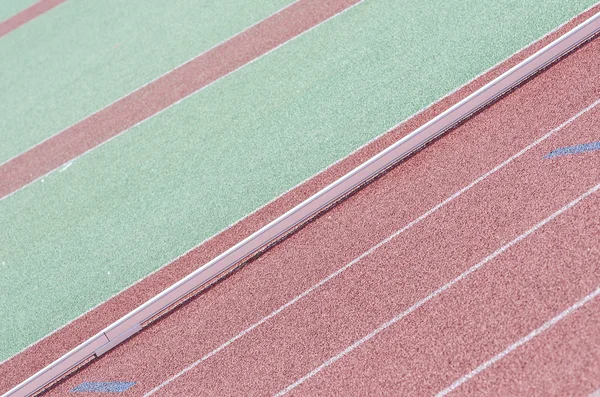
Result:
x=595 y=394
x=187 y=96
x=374 y=248
x=547 y=325
x=435 y=293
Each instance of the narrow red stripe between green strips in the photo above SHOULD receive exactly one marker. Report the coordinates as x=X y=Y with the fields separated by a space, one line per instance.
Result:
x=165 y=91
x=27 y=15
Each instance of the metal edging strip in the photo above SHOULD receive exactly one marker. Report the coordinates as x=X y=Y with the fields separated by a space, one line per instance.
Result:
x=128 y=325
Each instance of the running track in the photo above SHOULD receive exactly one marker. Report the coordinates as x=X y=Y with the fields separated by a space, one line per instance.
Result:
x=471 y=268
x=50 y=348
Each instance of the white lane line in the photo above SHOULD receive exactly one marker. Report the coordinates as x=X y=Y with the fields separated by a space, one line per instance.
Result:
x=64 y=167
x=435 y=293
x=373 y=249
x=186 y=97
x=547 y=325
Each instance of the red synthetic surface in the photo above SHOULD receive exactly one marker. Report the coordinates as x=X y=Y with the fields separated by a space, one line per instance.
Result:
x=165 y=91
x=27 y=15
x=451 y=334
x=47 y=350
x=566 y=359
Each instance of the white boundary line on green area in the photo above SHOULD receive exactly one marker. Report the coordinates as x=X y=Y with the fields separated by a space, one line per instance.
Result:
x=131 y=323
x=305 y=180
x=67 y=164
x=146 y=84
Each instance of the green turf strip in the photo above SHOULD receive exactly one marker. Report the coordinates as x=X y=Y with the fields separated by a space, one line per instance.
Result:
x=8 y=8
x=82 y=55
x=130 y=206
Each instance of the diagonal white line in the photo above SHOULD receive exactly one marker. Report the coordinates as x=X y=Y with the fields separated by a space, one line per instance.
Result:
x=435 y=293
x=372 y=249
x=547 y=325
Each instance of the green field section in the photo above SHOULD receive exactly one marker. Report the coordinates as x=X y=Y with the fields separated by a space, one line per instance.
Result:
x=8 y=8
x=86 y=232
x=82 y=55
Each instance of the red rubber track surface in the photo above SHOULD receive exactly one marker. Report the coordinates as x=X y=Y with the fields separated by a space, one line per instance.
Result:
x=27 y=15
x=565 y=359
x=54 y=346
x=165 y=91
x=449 y=335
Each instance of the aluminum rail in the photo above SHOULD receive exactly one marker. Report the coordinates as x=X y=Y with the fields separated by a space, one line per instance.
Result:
x=271 y=233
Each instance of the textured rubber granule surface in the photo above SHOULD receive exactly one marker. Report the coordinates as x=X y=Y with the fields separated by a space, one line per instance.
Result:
x=386 y=283
x=48 y=349
x=89 y=193
x=565 y=360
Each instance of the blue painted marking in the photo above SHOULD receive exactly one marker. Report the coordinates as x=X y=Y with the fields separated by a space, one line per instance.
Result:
x=586 y=147
x=103 y=387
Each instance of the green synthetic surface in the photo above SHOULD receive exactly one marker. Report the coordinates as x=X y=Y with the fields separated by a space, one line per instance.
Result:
x=82 y=55
x=8 y=8
x=85 y=233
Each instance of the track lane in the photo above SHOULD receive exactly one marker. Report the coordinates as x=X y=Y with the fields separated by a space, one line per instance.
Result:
x=492 y=151
x=481 y=315
x=494 y=308
x=390 y=282
x=564 y=360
